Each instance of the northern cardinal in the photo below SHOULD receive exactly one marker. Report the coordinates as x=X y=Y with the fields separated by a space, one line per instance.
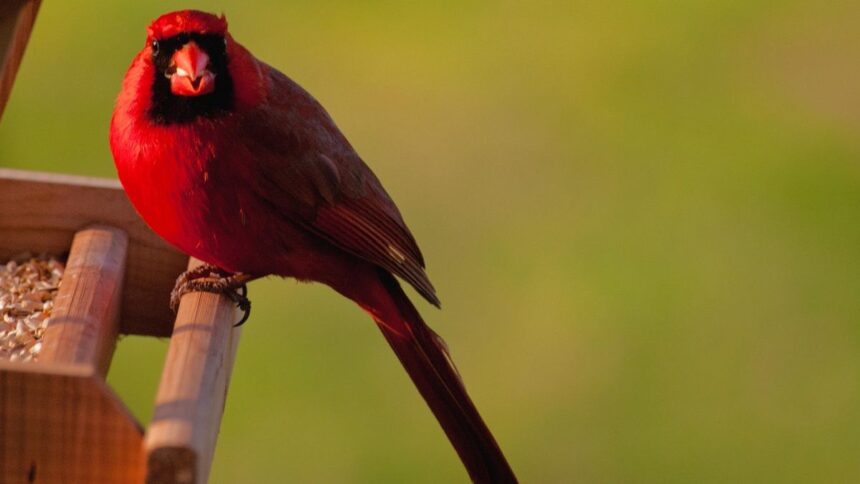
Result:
x=237 y=165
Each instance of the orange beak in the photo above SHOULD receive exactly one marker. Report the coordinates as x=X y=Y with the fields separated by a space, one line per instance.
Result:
x=190 y=75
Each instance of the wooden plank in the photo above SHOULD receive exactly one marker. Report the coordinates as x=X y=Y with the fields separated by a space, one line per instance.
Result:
x=41 y=212
x=181 y=439
x=59 y=423
x=16 y=23
x=84 y=325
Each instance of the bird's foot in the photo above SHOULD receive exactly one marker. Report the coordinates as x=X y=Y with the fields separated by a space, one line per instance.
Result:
x=210 y=278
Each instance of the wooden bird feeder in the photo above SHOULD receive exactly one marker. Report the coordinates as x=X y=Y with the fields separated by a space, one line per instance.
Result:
x=59 y=420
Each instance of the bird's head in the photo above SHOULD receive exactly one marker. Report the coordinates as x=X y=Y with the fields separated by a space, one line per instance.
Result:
x=189 y=49
x=196 y=68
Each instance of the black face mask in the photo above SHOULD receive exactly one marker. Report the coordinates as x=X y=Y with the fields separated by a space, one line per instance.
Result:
x=169 y=108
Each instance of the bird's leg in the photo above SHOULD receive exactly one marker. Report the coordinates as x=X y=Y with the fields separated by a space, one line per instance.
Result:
x=203 y=270
x=210 y=278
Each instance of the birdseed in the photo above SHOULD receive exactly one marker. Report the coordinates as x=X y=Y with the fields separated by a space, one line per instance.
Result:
x=28 y=286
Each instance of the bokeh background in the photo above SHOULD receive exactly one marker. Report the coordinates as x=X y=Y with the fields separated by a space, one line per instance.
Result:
x=643 y=218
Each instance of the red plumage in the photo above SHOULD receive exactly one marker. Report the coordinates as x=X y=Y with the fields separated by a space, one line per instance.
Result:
x=262 y=182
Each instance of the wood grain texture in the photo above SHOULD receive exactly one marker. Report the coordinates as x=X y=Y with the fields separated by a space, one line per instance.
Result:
x=190 y=401
x=60 y=423
x=16 y=23
x=84 y=324
x=41 y=212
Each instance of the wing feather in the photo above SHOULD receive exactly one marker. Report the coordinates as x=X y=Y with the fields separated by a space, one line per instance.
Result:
x=317 y=180
x=372 y=240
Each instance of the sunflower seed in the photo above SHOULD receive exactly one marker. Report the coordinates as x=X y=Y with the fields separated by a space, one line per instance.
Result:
x=28 y=286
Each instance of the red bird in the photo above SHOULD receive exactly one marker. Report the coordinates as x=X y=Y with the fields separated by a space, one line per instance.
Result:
x=237 y=165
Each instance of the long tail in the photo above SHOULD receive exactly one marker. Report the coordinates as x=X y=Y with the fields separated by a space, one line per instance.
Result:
x=425 y=357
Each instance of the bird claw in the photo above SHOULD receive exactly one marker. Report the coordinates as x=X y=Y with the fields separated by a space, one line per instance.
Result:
x=242 y=302
x=209 y=278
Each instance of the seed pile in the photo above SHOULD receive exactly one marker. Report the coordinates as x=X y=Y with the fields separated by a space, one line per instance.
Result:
x=28 y=286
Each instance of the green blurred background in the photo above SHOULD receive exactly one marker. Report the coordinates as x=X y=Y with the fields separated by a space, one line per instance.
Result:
x=642 y=218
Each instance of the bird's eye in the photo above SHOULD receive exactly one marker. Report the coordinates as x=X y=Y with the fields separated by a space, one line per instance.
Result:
x=154 y=46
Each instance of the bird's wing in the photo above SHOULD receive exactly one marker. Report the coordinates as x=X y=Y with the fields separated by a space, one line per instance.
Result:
x=315 y=177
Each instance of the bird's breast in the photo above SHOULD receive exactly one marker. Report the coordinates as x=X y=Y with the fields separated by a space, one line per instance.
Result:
x=186 y=182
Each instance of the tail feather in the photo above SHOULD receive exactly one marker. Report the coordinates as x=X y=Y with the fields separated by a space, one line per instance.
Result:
x=425 y=357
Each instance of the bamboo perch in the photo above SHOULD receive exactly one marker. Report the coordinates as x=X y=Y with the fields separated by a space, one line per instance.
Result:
x=84 y=324
x=181 y=438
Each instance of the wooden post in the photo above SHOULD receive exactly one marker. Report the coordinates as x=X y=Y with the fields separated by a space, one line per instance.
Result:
x=181 y=438
x=84 y=325
x=16 y=22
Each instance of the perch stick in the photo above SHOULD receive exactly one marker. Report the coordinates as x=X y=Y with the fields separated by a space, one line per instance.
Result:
x=84 y=325
x=181 y=439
